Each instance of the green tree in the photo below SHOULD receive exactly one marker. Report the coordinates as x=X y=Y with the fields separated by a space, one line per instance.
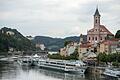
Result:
x=16 y=41
x=75 y=55
x=66 y=43
x=117 y=35
x=102 y=57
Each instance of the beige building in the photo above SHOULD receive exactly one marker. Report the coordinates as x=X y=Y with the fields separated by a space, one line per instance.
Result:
x=99 y=32
x=40 y=46
x=63 y=52
x=69 y=49
x=83 y=48
x=109 y=46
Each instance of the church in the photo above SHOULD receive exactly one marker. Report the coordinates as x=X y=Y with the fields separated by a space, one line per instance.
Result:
x=99 y=32
x=97 y=37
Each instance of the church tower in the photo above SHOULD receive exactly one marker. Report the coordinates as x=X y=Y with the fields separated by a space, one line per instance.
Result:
x=81 y=38
x=97 y=18
x=99 y=32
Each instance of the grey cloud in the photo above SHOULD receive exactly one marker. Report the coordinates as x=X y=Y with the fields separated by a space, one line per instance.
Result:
x=47 y=17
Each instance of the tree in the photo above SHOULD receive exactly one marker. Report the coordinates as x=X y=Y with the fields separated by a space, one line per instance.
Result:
x=66 y=43
x=75 y=55
x=16 y=41
x=102 y=57
x=114 y=57
x=117 y=35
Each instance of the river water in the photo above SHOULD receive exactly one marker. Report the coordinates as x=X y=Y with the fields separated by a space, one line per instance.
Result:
x=13 y=71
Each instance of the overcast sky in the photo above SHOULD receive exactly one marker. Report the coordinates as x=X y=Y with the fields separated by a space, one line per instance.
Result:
x=58 y=18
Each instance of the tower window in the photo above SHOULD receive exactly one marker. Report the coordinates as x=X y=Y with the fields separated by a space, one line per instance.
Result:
x=89 y=38
x=96 y=38
x=93 y=38
x=96 y=21
x=101 y=38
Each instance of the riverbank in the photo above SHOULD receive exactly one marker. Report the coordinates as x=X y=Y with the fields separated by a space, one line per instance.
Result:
x=95 y=70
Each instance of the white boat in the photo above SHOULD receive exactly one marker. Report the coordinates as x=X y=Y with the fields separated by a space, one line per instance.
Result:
x=112 y=72
x=35 y=60
x=64 y=65
x=25 y=61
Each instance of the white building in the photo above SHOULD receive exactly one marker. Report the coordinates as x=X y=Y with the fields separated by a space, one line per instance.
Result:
x=30 y=37
x=88 y=56
x=10 y=33
x=41 y=46
x=69 y=49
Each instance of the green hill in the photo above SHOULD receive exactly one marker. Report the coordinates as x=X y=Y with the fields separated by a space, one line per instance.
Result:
x=54 y=44
x=11 y=38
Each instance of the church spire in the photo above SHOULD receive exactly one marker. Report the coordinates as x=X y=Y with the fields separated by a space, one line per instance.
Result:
x=97 y=12
x=97 y=18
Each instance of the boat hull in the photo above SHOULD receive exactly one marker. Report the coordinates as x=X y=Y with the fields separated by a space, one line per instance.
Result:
x=24 y=62
x=62 y=67
x=112 y=73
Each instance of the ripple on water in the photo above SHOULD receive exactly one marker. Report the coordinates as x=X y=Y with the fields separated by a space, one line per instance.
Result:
x=13 y=71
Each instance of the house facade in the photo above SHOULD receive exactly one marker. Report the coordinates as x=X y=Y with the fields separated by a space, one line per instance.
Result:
x=109 y=46
x=69 y=49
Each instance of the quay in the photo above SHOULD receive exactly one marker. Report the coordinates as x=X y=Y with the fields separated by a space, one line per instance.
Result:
x=95 y=70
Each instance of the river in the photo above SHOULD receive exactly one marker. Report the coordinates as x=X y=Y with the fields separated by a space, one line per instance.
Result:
x=13 y=71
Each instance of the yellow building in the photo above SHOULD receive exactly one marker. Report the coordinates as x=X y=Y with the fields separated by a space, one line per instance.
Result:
x=83 y=48
x=109 y=46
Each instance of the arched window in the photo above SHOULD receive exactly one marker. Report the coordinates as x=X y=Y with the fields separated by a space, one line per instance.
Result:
x=101 y=38
x=89 y=38
x=96 y=21
x=92 y=38
x=96 y=38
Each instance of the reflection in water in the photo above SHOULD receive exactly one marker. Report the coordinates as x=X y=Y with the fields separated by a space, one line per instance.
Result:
x=62 y=75
x=13 y=71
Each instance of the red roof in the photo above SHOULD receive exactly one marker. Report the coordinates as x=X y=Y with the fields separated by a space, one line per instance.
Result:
x=85 y=45
x=105 y=29
x=102 y=29
x=110 y=41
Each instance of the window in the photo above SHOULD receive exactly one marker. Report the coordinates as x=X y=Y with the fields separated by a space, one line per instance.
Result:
x=89 y=38
x=96 y=38
x=96 y=21
x=81 y=70
x=101 y=38
x=93 y=38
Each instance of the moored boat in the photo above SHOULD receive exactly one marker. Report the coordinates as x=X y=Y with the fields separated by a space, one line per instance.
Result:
x=25 y=61
x=64 y=65
x=35 y=60
x=112 y=72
